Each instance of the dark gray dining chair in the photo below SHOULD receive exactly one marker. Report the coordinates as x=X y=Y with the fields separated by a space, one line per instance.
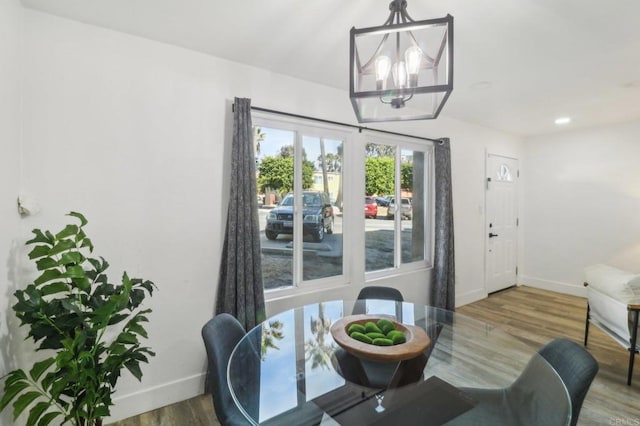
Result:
x=220 y=335
x=576 y=367
x=380 y=292
x=532 y=398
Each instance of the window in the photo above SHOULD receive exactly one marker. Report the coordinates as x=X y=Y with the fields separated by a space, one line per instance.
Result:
x=300 y=224
x=395 y=175
x=312 y=229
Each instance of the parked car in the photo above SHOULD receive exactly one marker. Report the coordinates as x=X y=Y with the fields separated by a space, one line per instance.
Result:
x=406 y=210
x=382 y=202
x=317 y=214
x=370 y=207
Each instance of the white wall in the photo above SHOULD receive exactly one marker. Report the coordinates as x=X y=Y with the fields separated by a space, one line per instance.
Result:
x=134 y=134
x=582 y=204
x=10 y=43
x=469 y=145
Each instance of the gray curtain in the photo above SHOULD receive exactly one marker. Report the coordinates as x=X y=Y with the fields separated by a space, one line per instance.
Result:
x=443 y=275
x=240 y=291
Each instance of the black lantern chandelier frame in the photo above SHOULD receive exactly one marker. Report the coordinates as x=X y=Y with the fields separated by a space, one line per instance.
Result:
x=401 y=76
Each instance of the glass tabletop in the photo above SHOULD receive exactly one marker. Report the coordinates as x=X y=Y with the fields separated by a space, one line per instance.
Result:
x=290 y=370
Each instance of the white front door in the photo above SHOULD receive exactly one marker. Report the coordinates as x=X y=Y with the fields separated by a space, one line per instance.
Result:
x=502 y=222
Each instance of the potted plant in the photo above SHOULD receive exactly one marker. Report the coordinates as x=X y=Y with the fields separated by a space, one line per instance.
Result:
x=90 y=327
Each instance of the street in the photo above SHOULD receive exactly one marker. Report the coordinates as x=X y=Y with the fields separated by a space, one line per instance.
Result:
x=333 y=240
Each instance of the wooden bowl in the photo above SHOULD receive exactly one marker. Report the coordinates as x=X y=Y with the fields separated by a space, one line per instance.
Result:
x=417 y=340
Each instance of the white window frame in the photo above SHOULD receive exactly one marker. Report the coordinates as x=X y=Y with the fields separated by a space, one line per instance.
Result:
x=354 y=143
x=407 y=143
x=302 y=128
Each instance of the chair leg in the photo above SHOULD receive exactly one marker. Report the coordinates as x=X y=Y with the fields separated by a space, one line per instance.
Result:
x=632 y=348
x=586 y=325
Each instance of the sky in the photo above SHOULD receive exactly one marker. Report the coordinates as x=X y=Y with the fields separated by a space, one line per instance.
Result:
x=276 y=138
x=278 y=375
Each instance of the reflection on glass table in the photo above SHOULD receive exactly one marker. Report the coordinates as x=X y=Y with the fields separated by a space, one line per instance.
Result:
x=288 y=370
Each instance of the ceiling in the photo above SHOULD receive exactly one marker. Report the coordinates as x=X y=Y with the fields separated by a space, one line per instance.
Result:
x=519 y=64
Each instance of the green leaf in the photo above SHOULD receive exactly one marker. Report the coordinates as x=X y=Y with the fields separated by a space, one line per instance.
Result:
x=101 y=411
x=68 y=231
x=134 y=368
x=74 y=271
x=48 y=275
x=70 y=306
x=118 y=348
x=59 y=385
x=40 y=238
x=11 y=390
x=83 y=220
x=54 y=288
x=82 y=283
x=116 y=318
x=62 y=246
x=14 y=377
x=63 y=359
x=46 y=263
x=127 y=338
x=137 y=328
x=23 y=402
x=140 y=356
x=80 y=235
x=36 y=412
x=87 y=243
x=47 y=418
x=71 y=257
x=40 y=367
x=39 y=251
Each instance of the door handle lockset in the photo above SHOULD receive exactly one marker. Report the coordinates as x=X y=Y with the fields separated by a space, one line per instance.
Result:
x=491 y=235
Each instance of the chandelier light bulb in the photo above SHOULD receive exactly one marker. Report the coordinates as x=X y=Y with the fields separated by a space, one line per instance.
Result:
x=413 y=59
x=399 y=75
x=382 y=68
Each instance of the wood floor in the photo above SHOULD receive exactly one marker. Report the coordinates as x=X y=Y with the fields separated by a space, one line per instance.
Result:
x=533 y=316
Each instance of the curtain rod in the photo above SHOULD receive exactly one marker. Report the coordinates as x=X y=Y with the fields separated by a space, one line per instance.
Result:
x=353 y=126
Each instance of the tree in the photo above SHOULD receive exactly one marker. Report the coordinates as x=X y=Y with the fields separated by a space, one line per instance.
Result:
x=317 y=350
x=270 y=334
x=333 y=162
x=379 y=175
x=258 y=136
x=277 y=173
x=377 y=150
x=287 y=151
x=89 y=328
x=406 y=176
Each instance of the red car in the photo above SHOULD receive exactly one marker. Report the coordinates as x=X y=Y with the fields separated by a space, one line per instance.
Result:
x=370 y=207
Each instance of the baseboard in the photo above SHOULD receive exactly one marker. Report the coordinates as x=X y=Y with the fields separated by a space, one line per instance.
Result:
x=470 y=296
x=557 y=286
x=155 y=397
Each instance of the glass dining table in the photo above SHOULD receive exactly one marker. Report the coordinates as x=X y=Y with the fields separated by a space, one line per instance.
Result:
x=290 y=370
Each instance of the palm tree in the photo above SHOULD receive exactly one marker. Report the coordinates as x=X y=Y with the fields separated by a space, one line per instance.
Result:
x=316 y=350
x=258 y=136
x=270 y=334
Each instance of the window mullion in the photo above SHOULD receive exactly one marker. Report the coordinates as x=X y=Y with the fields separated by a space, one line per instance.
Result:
x=298 y=233
x=397 y=216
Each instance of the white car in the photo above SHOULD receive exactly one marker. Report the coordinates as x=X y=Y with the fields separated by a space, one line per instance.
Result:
x=406 y=210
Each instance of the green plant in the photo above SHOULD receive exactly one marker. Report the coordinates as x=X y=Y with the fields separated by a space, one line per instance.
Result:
x=92 y=326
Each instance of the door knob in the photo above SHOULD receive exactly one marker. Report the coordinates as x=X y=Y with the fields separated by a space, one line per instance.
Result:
x=491 y=235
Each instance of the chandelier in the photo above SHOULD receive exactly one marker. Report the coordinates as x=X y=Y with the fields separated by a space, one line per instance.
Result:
x=402 y=69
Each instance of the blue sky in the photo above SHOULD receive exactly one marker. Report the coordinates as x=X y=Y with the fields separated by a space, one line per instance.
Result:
x=275 y=139
x=280 y=370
